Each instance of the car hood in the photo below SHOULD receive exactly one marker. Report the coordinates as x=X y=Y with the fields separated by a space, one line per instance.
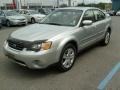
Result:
x=16 y=17
x=38 y=15
x=39 y=32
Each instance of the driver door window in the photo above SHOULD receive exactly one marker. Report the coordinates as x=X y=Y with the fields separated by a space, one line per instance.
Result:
x=89 y=15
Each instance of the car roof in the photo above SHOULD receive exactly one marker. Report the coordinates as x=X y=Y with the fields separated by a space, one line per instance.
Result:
x=79 y=8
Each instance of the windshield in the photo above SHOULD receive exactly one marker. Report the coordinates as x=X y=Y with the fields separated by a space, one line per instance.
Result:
x=11 y=13
x=33 y=12
x=63 y=18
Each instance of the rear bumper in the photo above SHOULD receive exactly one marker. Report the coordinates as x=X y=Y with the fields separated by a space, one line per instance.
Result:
x=30 y=59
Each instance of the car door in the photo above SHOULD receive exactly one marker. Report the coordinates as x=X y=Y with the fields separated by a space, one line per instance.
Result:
x=2 y=17
x=88 y=29
x=27 y=15
x=100 y=23
x=24 y=13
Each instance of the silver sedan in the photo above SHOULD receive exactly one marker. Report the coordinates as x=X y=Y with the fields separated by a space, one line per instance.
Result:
x=10 y=17
x=58 y=38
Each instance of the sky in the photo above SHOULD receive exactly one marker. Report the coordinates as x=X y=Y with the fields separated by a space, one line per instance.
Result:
x=53 y=1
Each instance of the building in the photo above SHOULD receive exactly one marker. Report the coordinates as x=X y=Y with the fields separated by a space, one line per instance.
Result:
x=9 y=4
x=116 y=5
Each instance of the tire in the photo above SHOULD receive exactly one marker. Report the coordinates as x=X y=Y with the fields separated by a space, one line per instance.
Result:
x=0 y=26
x=106 y=39
x=67 y=58
x=32 y=20
x=8 y=23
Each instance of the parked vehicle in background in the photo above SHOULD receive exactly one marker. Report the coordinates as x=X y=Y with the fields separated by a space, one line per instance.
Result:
x=111 y=12
x=45 y=11
x=10 y=17
x=118 y=13
x=104 y=11
x=32 y=15
x=42 y=11
x=58 y=38
x=0 y=23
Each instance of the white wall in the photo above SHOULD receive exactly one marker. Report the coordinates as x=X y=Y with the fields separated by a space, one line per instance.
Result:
x=44 y=2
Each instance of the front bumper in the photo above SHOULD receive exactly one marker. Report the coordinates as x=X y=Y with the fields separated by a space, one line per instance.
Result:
x=31 y=59
x=38 y=19
x=18 y=22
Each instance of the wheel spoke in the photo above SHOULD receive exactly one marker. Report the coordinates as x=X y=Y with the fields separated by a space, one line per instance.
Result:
x=68 y=58
x=107 y=38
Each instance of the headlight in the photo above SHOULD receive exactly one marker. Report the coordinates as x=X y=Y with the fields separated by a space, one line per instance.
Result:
x=41 y=46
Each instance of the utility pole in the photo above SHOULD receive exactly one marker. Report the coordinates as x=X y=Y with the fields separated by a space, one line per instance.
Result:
x=83 y=2
x=74 y=3
x=24 y=4
x=20 y=4
x=58 y=3
x=69 y=3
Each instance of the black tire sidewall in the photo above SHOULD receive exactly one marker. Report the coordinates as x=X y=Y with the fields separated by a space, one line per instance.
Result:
x=32 y=20
x=60 y=64
x=105 y=38
x=102 y=42
x=8 y=23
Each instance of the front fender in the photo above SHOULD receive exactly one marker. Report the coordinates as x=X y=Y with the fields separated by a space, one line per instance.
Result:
x=63 y=43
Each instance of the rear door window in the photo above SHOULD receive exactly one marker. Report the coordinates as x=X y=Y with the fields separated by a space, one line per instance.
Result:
x=99 y=15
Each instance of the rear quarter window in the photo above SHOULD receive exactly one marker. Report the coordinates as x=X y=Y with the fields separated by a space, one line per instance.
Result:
x=99 y=15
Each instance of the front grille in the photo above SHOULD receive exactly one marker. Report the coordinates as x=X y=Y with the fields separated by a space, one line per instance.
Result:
x=21 y=19
x=20 y=44
x=16 y=44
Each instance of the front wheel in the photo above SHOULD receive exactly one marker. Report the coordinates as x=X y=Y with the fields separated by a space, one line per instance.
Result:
x=106 y=39
x=8 y=23
x=67 y=58
x=32 y=20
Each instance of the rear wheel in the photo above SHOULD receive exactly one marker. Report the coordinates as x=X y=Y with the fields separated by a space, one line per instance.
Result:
x=106 y=40
x=67 y=58
x=0 y=25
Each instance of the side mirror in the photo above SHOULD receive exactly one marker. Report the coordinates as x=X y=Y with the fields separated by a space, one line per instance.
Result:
x=107 y=15
x=87 y=22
